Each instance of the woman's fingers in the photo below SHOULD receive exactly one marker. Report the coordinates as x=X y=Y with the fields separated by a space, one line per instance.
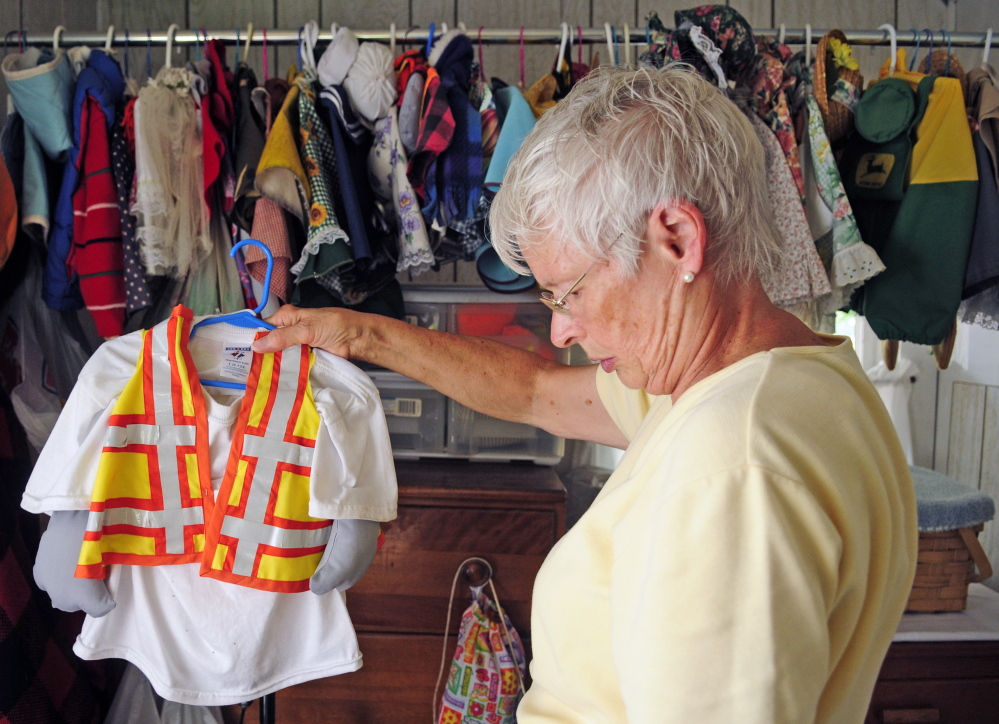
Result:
x=321 y=328
x=282 y=338
x=287 y=315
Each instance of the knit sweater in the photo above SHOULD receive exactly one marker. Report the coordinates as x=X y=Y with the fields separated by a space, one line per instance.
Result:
x=96 y=257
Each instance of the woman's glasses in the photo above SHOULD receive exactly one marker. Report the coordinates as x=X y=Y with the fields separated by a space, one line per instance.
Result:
x=559 y=305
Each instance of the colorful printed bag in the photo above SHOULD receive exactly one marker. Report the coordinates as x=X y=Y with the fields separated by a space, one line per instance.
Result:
x=487 y=672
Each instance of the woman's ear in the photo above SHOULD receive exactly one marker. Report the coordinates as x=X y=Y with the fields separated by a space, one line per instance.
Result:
x=676 y=231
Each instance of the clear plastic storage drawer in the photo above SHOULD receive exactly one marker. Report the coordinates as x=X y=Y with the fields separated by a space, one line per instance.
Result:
x=414 y=412
x=480 y=437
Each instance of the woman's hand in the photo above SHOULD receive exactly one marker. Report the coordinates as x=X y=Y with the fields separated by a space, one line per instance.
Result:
x=334 y=330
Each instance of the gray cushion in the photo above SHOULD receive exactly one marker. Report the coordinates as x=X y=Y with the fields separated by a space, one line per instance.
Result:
x=945 y=504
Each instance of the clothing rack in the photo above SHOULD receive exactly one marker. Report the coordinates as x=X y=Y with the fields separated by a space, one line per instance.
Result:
x=493 y=36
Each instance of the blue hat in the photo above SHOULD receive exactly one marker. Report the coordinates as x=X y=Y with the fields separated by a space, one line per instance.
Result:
x=496 y=275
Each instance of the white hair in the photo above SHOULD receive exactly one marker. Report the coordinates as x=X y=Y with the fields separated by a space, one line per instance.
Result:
x=624 y=141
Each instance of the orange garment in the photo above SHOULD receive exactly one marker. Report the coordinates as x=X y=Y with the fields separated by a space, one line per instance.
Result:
x=153 y=502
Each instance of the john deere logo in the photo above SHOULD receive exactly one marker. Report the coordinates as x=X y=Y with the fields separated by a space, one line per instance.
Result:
x=873 y=170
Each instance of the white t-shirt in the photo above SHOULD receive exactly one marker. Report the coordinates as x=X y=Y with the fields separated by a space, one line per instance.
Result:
x=199 y=640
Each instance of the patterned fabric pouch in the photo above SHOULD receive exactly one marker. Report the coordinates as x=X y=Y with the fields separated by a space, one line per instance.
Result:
x=486 y=679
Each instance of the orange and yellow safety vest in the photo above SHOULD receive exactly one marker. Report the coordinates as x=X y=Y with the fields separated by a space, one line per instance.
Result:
x=153 y=502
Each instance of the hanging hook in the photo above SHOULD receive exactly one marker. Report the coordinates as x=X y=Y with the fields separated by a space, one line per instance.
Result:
x=443 y=28
x=249 y=40
x=482 y=63
x=56 y=38
x=929 y=54
x=627 y=46
x=610 y=43
x=392 y=39
x=263 y=56
x=430 y=39
x=523 y=73
x=169 y=43
x=405 y=36
x=109 y=39
x=299 y=48
x=561 y=48
x=917 y=38
x=310 y=37
x=781 y=34
x=127 y=74
x=237 y=44
x=579 y=45
x=894 y=45
x=947 y=38
x=808 y=44
x=267 y=274
x=988 y=48
x=149 y=53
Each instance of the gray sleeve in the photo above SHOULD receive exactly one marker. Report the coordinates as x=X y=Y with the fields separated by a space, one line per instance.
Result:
x=55 y=566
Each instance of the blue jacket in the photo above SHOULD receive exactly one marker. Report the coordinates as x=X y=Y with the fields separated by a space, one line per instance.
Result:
x=101 y=79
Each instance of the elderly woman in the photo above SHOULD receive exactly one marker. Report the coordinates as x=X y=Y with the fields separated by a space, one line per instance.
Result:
x=751 y=556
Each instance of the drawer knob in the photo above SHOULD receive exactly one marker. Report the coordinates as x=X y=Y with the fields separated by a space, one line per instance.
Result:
x=476 y=572
x=910 y=716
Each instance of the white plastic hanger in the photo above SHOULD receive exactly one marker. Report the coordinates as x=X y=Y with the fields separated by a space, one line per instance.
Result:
x=392 y=39
x=894 y=46
x=561 y=47
x=808 y=44
x=56 y=38
x=988 y=48
x=109 y=40
x=610 y=43
x=171 y=31
x=627 y=46
x=781 y=35
x=249 y=39
x=310 y=34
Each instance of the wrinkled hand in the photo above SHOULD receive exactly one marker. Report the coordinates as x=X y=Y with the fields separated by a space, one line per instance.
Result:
x=351 y=549
x=55 y=566
x=333 y=330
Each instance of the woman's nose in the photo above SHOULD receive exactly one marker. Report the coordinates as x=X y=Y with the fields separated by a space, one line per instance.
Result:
x=565 y=331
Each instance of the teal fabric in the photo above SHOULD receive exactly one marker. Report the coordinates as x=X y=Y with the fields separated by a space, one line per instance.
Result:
x=945 y=504
x=518 y=121
x=35 y=196
x=42 y=88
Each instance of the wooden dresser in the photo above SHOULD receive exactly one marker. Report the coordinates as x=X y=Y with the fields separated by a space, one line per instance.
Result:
x=510 y=515
x=942 y=667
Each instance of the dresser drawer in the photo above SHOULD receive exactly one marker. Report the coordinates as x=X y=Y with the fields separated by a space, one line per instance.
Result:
x=947 y=701
x=406 y=589
x=396 y=684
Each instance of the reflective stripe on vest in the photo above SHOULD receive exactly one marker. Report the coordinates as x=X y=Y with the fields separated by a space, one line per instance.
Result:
x=152 y=495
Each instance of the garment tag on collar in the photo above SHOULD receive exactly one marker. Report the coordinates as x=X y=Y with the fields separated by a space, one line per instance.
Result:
x=236 y=362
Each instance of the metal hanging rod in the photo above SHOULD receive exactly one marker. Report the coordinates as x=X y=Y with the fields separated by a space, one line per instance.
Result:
x=495 y=36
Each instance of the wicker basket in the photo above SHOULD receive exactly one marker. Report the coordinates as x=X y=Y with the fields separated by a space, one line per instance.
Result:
x=944 y=568
x=837 y=118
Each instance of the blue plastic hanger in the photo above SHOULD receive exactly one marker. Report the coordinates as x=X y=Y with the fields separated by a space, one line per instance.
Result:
x=430 y=39
x=245 y=317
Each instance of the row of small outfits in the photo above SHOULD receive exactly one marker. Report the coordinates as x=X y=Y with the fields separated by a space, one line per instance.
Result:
x=877 y=193
x=354 y=168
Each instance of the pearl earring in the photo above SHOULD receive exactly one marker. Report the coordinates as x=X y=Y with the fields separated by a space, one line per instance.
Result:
x=688 y=277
